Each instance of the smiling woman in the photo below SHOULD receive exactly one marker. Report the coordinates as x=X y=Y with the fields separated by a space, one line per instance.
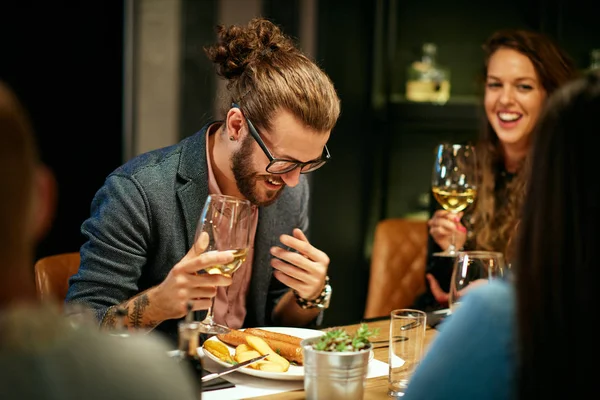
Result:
x=521 y=68
x=513 y=100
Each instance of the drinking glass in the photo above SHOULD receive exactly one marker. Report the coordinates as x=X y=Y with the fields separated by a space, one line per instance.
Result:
x=407 y=344
x=454 y=182
x=79 y=315
x=227 y=221
x=472 y=268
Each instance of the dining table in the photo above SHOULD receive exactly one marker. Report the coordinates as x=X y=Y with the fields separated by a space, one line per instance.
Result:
x=375 y=388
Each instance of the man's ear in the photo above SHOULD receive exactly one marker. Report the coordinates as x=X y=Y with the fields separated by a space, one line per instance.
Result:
x=46 y=200
x=236 y=124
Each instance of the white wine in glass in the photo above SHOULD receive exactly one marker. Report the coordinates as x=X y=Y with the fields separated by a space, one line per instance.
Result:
x=454 y=199
x=227 y=221
x=454 y=182
x=239 y=256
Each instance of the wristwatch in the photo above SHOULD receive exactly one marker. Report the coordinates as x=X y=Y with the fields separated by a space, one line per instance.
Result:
x=320 y=302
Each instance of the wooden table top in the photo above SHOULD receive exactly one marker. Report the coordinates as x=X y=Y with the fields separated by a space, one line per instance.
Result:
x=375 y=388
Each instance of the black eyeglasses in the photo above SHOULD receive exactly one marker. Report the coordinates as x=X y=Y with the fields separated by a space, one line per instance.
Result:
x=280 y=165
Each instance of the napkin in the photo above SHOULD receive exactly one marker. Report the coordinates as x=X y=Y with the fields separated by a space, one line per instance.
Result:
x=435 y=318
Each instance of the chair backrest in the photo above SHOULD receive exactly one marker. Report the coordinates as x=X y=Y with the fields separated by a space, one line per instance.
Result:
x=398 y=260
x=52 y=275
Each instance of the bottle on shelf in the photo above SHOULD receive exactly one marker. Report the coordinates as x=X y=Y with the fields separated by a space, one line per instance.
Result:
x=594 y=61
x=428 y=81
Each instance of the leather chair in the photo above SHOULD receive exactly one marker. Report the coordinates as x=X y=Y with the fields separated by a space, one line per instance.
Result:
x=52 y=275
x=398 y=260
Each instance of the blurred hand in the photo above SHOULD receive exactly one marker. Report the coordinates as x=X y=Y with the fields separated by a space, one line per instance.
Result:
x=442 y=297
x=441 y=226
x=183 y=284
x=304 y=270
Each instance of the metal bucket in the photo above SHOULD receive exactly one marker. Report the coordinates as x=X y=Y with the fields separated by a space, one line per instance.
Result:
x=334 y=375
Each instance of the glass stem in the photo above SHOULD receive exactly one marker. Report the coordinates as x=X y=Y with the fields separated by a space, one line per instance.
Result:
x=452 y=247
x=210 y=313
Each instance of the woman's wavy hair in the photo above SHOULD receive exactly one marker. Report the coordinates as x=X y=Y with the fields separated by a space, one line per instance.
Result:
x=493 y=227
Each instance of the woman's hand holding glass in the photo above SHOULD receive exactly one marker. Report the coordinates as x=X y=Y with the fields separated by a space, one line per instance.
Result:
x=454 y=184
x=443 y=224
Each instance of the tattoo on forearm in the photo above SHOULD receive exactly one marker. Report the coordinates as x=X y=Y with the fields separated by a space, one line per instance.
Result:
x=110 y=318
x=134 y=317
x=140 y=303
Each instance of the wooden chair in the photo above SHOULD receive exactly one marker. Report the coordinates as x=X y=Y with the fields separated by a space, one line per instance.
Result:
x=52 y=275
x=398 y=260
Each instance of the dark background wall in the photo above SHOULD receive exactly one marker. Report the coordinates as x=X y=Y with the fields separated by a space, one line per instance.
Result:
x=64 y=59
x=198 y=81
x=341 y=194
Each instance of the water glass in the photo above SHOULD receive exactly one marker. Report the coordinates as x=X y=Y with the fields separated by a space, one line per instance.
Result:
x=407 y=341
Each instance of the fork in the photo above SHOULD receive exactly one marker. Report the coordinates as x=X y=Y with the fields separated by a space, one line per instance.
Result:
x=386 y=342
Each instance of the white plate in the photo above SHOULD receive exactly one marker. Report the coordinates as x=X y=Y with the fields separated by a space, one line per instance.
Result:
x=294 y=373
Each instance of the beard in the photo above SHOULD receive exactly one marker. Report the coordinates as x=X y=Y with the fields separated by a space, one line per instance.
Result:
x=247 y=179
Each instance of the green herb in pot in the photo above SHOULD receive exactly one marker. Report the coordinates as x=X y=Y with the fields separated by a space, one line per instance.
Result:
x=340 y=340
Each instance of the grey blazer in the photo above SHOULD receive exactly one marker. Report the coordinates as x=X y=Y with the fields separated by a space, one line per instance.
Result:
x=143 y=221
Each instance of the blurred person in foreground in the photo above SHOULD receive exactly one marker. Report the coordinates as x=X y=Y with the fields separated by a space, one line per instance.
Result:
x=42 y=355
x=139 y=254
x=527 y=338
x=522 y=68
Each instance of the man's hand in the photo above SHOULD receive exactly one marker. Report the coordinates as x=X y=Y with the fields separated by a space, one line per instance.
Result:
x=183 y=284
x=304 y=270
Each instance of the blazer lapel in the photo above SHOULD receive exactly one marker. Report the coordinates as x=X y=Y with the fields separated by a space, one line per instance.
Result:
x=272 y=221
x=193 y=170
x=261 y=267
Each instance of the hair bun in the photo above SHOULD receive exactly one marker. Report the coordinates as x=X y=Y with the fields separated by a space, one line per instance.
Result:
x=238 y=47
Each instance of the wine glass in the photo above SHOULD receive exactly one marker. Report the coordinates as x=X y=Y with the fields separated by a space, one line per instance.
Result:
x=454 y=182
x=227 y=222
x=472 y=268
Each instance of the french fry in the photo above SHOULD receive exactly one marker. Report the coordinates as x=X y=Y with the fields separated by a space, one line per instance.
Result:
x=242 y=348
x=219 y=350
x=269 y=366
x=246 y=355
x=263 y=348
